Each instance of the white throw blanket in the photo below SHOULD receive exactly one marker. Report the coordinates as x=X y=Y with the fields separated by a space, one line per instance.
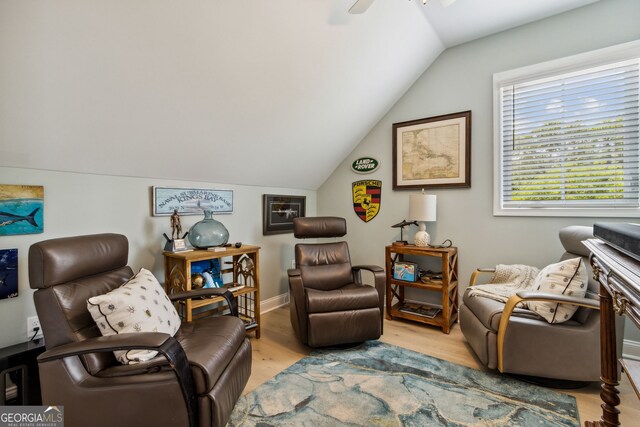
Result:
x=506 y=281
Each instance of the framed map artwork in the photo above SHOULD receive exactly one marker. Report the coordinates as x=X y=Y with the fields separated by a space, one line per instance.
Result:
x=432 y=152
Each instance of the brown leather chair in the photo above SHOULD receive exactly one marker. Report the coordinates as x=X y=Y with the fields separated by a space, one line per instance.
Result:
x=195 y=381
x=519 y=341
x=329 y=303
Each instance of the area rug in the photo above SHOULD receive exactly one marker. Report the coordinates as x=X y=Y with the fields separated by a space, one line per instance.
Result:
x=376 y=384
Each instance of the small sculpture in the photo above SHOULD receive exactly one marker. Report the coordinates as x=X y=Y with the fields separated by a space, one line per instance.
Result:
x=176 y=227
x=175 y=243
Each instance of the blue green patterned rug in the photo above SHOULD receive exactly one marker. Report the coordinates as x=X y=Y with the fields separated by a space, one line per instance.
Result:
x=376 y=384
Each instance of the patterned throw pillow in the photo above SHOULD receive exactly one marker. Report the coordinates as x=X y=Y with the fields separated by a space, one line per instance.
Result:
x=140 y=305
x=568 y=277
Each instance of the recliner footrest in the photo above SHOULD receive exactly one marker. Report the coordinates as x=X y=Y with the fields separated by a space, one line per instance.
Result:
x=354 y=326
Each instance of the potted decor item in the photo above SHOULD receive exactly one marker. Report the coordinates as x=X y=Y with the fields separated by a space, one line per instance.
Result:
x=208 y=232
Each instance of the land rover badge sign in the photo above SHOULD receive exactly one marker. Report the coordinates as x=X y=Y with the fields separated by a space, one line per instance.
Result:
x=365 y=165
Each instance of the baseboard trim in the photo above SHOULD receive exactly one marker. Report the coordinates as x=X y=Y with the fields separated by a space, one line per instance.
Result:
x=273 y=303
x=631 y=349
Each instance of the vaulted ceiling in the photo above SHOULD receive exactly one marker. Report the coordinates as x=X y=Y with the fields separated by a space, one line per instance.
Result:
x=269 y=93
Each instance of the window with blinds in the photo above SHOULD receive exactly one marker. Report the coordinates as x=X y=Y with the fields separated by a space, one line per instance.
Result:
x=570 y=140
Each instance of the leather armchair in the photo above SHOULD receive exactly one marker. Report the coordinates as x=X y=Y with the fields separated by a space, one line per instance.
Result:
x=330 y=305
x=518 y=341
x=194 y=381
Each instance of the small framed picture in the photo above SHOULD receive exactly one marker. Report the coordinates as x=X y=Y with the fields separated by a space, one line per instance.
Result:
x=405 y=271
x=278 y=212
x=8 y=273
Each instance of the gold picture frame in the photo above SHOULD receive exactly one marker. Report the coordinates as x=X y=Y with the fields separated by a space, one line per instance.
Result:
x=432 y=152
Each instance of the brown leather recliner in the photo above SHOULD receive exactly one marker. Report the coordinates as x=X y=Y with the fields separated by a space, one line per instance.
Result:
x=329 y=304
x=519 y=341
x=194 y=381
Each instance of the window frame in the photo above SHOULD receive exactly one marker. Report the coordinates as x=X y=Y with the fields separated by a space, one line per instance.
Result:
x=621 y=52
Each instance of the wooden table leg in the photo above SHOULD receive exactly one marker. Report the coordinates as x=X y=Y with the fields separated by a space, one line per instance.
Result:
x=388 y=274
x=609 y=362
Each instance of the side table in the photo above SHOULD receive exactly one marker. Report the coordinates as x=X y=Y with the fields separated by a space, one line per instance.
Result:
x=243 y=270
x=446 y=286
x=19 y=362
x=619 y=278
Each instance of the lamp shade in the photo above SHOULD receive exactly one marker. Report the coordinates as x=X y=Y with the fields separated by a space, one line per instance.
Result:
x=422 y=207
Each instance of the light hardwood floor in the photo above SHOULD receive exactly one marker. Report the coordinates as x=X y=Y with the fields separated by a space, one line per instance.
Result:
x=278 y=348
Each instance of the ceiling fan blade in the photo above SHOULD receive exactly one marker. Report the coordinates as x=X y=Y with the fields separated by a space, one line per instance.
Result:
x=446 y=3
x=360 y=6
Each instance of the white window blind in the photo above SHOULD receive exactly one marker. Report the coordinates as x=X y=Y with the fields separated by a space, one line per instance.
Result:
x=571 y=140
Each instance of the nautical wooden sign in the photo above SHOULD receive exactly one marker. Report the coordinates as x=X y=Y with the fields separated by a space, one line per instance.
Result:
x=191 y=201
x=365 y=165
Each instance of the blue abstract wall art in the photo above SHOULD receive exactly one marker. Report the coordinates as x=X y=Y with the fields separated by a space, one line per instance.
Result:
x=8 y=273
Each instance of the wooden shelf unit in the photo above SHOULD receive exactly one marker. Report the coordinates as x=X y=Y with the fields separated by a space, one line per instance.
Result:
x=242 y=268
x=447 y=286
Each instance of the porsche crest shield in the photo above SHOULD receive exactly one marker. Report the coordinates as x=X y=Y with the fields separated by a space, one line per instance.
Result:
x=366 y=198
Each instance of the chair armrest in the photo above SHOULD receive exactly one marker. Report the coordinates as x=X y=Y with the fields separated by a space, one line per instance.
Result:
x=479 y=271
x=563 y=299
x=292 y=272
x=380 y=281
x=371 y=268
x=524 y=296
x=378 y=276
x=209 y=292
x=163 y=343
x=129 y=341
x=298 y=303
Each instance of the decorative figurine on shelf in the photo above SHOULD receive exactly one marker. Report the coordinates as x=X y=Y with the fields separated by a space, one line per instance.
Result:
x=176 y=227
x=401 y=226
x=175 y=244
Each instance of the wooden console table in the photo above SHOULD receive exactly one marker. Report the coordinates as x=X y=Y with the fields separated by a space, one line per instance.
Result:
x=243 y=270
x=446 y=285
x=619 y=278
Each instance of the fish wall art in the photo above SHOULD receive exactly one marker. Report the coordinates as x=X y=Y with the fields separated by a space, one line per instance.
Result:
x=21 y=209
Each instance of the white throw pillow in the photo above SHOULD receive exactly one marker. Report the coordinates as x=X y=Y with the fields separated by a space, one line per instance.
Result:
x=567 y=277
x=139 y=305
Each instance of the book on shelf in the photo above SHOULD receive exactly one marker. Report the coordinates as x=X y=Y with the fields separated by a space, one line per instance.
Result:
x=249 y=322
x=421 y=310
x=232 y=287
x=179 y=251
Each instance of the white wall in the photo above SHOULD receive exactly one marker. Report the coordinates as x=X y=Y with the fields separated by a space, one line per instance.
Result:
x=461 y=79
x=78 y=204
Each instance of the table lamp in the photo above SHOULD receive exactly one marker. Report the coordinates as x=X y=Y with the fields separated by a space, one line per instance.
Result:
x=422 y=208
